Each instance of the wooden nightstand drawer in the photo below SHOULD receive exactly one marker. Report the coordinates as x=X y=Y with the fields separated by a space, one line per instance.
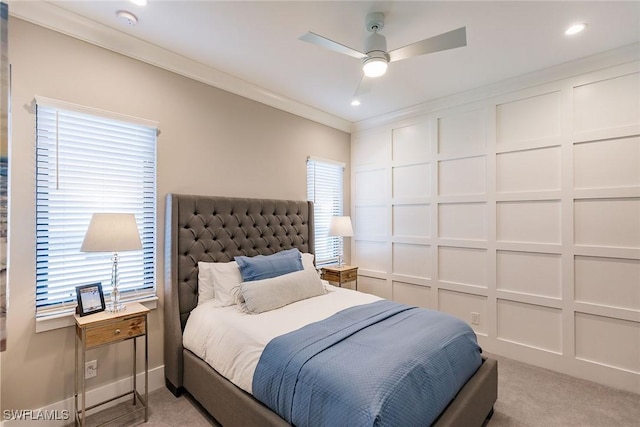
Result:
x=349 y=276
x=331 y=276
x=340 y=275
x=115 y=331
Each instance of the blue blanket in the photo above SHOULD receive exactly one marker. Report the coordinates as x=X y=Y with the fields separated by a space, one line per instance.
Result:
x=379 y=364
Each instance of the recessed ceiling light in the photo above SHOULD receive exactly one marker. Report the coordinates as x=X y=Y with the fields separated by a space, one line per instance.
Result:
x=575 y=29
x=127 y=18
x=139 y=2
x=355 y=102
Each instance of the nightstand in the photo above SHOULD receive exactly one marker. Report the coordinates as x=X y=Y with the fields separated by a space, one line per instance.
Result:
x=340 y=275
x=100 y=329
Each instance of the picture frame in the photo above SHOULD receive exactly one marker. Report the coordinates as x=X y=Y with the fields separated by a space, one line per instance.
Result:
x=90 y=299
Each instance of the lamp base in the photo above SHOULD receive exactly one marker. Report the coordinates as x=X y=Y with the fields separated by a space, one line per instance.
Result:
x=115 y=308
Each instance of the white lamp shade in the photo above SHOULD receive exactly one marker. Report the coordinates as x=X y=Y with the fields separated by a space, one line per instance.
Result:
x=112 y=232
x=340 y=226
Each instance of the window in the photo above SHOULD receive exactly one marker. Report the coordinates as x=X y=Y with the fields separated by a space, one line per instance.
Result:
x=325 y=190
x=90 y=161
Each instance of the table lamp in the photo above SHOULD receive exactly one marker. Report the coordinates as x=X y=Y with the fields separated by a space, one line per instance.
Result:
x=112 y=232
x=340 y=226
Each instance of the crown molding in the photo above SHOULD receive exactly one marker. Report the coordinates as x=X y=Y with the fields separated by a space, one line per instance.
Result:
x=610 y=58
x=57 y=19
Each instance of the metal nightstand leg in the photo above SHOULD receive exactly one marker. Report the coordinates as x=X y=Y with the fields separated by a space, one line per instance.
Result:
x=146 y=371
x=135 y=371
x=75 y=380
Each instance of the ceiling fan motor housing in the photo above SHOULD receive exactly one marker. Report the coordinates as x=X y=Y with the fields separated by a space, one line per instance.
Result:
x=375 y=45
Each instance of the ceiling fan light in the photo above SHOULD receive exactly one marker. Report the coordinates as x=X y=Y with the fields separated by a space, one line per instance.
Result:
x=374 y=67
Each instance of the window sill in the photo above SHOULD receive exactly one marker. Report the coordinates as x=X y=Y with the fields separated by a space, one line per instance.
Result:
x=50 y=323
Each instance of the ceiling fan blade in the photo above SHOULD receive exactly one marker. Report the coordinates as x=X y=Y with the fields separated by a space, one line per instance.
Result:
x=444 y=41
x=364 y=87
x=331 y=45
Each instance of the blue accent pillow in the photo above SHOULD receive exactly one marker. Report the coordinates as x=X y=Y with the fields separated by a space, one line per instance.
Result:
x=267 y=266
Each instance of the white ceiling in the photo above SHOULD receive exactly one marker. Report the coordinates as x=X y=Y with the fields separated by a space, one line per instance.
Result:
x=258 y=43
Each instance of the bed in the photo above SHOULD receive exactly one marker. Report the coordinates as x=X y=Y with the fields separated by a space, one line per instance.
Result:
x=216 y=229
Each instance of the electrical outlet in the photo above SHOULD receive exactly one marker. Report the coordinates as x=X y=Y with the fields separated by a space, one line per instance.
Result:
x=475 y=318
x=91 y=369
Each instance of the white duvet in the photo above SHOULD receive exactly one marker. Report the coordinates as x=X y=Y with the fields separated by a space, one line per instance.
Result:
x=231 y=342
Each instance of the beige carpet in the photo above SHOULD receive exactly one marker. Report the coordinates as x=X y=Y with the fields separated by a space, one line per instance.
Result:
x=527 y=396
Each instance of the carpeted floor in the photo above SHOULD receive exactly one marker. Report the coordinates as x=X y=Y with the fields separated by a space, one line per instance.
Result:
x=527 y=396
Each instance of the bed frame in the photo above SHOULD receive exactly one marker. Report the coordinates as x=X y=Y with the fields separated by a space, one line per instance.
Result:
x=215 y=229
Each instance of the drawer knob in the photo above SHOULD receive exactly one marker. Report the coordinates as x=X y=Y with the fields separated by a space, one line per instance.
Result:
x=117 y=331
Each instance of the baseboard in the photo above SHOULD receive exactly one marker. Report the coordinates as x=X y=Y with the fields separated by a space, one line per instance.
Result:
x=55 y=412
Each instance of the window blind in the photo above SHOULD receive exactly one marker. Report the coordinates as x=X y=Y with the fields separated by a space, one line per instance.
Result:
x=325 y=190
x=85 y=164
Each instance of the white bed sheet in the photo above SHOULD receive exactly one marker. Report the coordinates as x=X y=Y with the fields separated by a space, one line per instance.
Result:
x=231 y=342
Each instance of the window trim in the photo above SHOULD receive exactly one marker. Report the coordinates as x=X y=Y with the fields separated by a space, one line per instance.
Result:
x=62 y=315
x=342 y=166
x=66 y=319
x=64 y=105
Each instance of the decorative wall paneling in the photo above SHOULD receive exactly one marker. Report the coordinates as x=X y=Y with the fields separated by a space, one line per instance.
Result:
x=520 y=214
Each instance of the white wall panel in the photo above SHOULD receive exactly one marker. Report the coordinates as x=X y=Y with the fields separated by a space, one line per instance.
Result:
x=412 y=220
x=412 y=181
x=412 y=143
x=529 y=201
x=463 y=265
x=371 y=255
x=531 y=325
x=410 y=294
x=611 y=282
x=462 y=176
x=529 y=273
x=372 y=285
x=462 y=305
x=607 y=164
x=462 y=221
x=529 y=221
x=370 y=185
x=609 y=341
x=529 y=170
x=462 y=133
x=607 y=222
x=371 y=222
x=412 y=260
x=371 y=149
x=528 y=119
x=607 y=104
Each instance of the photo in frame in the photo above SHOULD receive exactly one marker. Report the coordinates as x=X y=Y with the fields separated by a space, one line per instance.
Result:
x=90 y=299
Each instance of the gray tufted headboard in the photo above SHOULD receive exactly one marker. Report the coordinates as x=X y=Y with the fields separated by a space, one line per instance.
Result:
x=216 y=229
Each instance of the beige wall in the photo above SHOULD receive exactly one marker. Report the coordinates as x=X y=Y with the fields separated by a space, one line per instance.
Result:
x=211 y=142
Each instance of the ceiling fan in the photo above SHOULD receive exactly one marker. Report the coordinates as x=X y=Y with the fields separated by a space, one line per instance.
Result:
x=376 y=58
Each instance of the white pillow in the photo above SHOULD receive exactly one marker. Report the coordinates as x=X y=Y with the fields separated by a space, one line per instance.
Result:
x=205 y=283
x=268 y=294
x=307 y=261
x=216 y=280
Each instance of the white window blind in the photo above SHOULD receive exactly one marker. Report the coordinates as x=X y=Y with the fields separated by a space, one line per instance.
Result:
x=325 y=190
x=85 y=164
